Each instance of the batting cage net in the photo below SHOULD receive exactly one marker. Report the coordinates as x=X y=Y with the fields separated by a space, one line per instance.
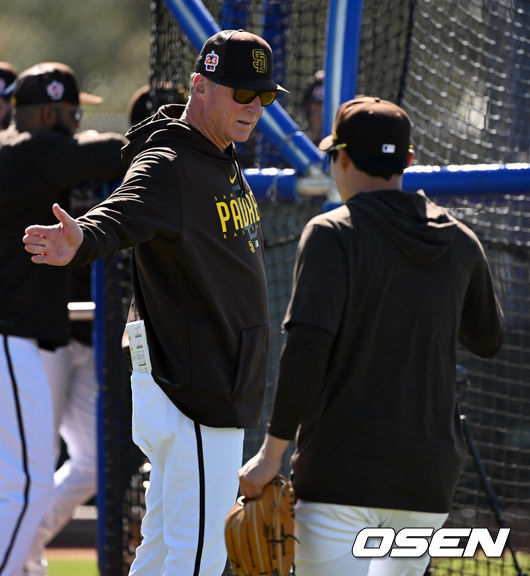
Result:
x=461 y=69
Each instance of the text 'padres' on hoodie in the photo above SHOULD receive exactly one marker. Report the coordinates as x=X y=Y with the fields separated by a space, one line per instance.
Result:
x=198 y=267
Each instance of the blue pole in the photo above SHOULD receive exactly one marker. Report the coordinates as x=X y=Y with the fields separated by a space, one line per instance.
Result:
x=342 y=56
x=275 y=31
x=97 y=288
x=98 y=337
x=277 y=125
x=272 y=183
x=293 y=144
x=487 y=180
x=473 y=179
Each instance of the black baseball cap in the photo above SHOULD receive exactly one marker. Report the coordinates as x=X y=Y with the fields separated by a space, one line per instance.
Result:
x=8 y=74
x=49 y=82
x=140 y=105
x=238 y=59
x=371 y=126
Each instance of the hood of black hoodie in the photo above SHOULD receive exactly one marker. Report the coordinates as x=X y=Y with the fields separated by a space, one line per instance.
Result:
x=422 y=230
x=162 y=127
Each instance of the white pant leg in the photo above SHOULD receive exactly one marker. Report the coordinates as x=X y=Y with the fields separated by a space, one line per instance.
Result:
x=193 y=484
x=222 y=456
x=326 y=533
x=56 y=364
x=76 y=480
x=26 y=449
x=399 y=519
x=72 y=376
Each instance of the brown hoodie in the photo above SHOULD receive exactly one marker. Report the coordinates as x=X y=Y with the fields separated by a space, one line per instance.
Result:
x=391 y=282
x=198 y=267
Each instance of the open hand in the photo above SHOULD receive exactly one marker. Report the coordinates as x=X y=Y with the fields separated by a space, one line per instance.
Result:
x=54 y=245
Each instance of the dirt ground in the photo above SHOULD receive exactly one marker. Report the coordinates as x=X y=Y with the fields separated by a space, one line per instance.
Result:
x=71 y=553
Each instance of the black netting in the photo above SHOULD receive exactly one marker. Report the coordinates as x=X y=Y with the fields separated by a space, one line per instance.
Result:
x=496 y=397
x=461 y=70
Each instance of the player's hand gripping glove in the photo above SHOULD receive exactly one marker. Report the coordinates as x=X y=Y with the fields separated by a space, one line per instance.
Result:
x=259 y=533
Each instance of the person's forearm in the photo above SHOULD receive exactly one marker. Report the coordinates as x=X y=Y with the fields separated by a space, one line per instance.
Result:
x=262 y=467
x=273 y=448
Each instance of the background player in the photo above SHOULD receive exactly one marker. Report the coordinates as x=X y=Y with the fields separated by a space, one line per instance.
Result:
x=40 y=159
x=8 y=75
x=384 y=287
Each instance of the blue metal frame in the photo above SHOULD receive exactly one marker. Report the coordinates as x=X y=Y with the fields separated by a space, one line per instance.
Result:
x=474 y=180
x=342 y=56
x=482 y=179
x=98 y=340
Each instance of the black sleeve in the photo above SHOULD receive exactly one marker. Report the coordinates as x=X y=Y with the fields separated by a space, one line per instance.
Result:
x=302 y=368
x=145 y=205
x=320 y=282
x=84 y=157
x=481 y=325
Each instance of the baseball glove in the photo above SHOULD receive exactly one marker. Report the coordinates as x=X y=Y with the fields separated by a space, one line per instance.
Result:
x=259 y=533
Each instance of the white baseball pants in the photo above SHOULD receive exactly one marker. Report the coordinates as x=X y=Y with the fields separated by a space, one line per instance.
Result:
x=192 y=486
x=326 y=532
x=72 y=376
x=26 y=449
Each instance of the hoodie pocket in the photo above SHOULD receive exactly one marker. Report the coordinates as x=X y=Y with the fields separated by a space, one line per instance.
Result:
x=252 y=361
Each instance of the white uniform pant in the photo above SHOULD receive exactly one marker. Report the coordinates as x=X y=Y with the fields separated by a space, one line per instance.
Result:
x=192 y=486
x=73 y=383
x=326 y=532
x=26 y=449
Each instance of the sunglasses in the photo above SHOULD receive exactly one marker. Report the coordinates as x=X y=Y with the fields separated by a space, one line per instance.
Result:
x=333 y=151
x=245 y=96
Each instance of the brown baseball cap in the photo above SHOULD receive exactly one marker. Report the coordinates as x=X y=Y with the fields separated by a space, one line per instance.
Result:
x=372 y=127
x=8 y=74
x=238 y=59
x=49 y=82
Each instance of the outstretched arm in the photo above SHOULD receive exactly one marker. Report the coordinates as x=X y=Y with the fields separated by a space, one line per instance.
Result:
x=54 y=245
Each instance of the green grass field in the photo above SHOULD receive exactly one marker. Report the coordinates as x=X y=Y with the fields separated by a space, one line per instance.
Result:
x=465 y=567
x=71 y=567
x=481 y=566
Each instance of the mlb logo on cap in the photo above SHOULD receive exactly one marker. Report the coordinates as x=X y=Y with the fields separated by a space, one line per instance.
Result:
x=8 y=75
x=371 y=126
x=55 y=90
x=49 y=82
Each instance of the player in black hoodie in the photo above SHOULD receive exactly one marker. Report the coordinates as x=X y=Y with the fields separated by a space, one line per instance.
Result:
x=385 y=286
x=42 y=157
x=201 y=298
